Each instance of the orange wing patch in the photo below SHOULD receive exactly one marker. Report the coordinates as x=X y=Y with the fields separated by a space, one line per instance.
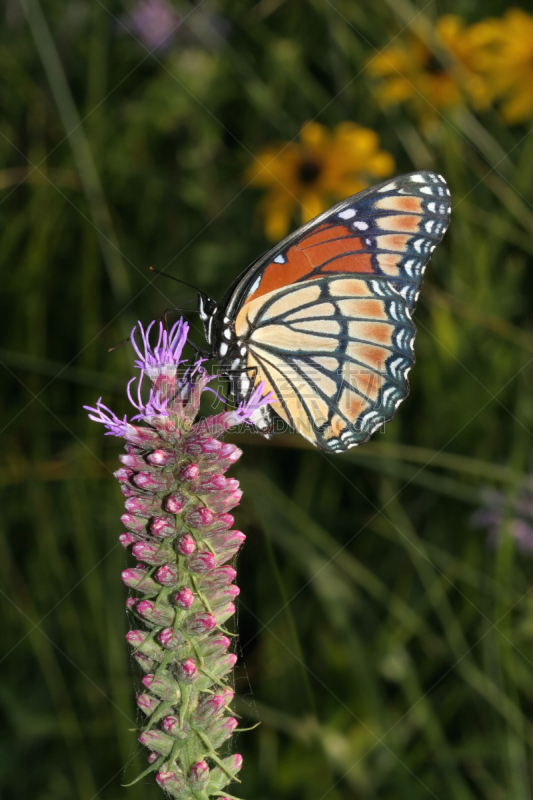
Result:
x=401 y=203
x=324 y=250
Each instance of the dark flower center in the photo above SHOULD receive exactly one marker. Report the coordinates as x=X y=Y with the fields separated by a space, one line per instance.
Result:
x=433 y=65
x=309 y=170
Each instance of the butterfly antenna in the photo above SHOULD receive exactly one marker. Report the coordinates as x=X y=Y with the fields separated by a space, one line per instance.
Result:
x=178 y=280
x=120 y=344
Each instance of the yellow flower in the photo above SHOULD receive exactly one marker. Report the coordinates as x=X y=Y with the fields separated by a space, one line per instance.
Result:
x=505 y=58
x=321 y=168
x=411 y=72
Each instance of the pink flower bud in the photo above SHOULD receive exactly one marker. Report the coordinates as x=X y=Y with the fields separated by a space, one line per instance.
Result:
x=219 y=483
x=199 y=445
x=200 y=624
x=131 y=602
x=220 y=730
x=132 y=523
x=144 y=506
x=123 y=475
x=175 y=502
x=135 y=637
x=225 y=502
x=232 y=764
x=222 y=595
x=224 y=665
x=202 y=562
x=137 y=579
x=171 y=782
x=153 y=757
x=160 y=458
x=229 y=452
x=170 y=638
x=147 y=703
x=208 y=708
x=186 y=544
x=128 y=490
x=133 y=461
x=160 y=615
x=219 y=577
x=223 y=522
x=162 y=527
x=189 y=473
x=127 y=539
x=224 y=612
x=227 y=693
x=144 y=644
x=226 y=544
x=146 y=664
x=136 y=435
x=151 y=553
x=199 y=774
x=167 y=575
x=215 y=646
x=187 y=670
x=157 y=741
x=201 y=517
x=171 y=725
x=184 y=598
x=150 y=481
x=162 y=687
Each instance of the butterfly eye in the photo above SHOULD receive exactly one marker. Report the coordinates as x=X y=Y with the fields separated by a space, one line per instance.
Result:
x=206 y=307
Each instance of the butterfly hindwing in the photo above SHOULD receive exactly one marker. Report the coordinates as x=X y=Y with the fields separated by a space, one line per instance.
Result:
x=336 y=352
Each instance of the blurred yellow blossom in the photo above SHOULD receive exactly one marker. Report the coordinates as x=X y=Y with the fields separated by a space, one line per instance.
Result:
x=506 y=61
x=324 y=166
x=411 y=72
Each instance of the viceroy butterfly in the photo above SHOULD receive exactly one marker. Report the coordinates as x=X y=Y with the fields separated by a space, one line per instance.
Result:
x=325 y=317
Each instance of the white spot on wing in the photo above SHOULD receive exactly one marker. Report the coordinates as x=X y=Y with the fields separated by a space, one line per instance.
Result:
x=418 y=178
x=388 y=188
x=255 y=285
x=360 y=225
x=280 y=259
x=426 y=190
x=348 y=213
x=223 y=349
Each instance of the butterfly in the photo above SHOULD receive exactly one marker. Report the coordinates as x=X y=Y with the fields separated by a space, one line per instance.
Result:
x=324 y=318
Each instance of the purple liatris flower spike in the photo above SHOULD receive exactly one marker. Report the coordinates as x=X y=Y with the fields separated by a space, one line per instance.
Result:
x=179 y=529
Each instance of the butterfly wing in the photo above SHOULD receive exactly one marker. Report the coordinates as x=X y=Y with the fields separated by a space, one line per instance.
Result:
x=389 y=230
x=336 y=352
x=325 y=317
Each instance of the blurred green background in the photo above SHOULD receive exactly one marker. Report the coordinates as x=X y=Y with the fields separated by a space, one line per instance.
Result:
x=387 y=642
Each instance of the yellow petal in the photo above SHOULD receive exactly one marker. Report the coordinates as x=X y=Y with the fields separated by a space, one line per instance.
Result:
x=381 y=164
x=519 y=107
x=276 y=211
x=314 y=135
x=312 y=205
